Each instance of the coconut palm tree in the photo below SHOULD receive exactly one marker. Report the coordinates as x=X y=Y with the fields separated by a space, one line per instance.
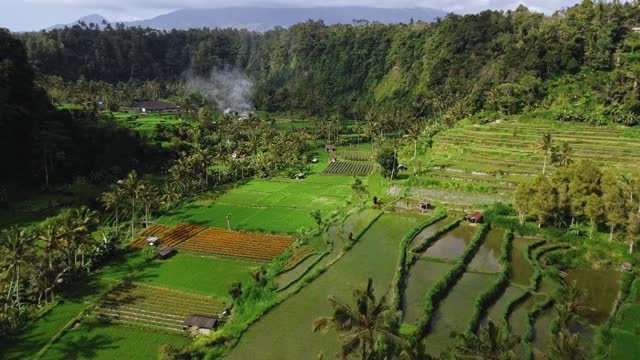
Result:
x=492 y=343
x=113 y=200
x=360 y=324
x=17 y=247
x=149 y=196
x=566 y=154
x=414 y=130
x=545 y=144
x=132 y=186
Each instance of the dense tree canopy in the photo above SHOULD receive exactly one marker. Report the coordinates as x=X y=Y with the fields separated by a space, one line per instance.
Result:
x=579 y=60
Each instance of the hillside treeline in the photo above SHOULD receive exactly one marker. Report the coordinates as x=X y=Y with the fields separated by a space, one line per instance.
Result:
x=582 y=62
x=42 y=145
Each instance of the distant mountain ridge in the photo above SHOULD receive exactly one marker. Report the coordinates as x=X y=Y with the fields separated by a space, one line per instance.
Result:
x=266 y=18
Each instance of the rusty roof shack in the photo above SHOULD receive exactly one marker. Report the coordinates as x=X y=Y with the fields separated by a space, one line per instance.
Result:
x=165 y=252
x=475 y=217
x=201 y=323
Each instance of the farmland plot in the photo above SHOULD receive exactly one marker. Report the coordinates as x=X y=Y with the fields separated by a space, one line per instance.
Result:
x=168 y=236
x=354 y=155
x=351 y=168
x=238 y=244
x=154 y=306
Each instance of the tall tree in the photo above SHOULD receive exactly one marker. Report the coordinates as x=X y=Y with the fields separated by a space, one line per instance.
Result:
x=113 y=200
x=545 y=144
x=132 y=185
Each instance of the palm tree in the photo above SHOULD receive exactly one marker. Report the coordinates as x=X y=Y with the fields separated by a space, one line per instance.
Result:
x=114 y=199
x=414 y=131
x=149 y=198
x=16 y=250
x=546 y=143
x=131 y=186
x=359 y=325
x=493 y=343
x=566 y=154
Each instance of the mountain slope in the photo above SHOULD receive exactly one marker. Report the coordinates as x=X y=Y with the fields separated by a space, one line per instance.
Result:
x=93 y=18
x=263 y=18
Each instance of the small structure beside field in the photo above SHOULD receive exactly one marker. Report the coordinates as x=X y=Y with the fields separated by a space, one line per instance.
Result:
x=201 y=324
x=330 y=147
x=153 y=241
x=423 y=205
x=475 y=217
x=155 y=106
x=165 y=252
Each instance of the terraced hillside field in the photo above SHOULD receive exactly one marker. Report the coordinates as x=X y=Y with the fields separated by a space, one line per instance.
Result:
x=238 y=244
x=154 y=306
x=495 y=158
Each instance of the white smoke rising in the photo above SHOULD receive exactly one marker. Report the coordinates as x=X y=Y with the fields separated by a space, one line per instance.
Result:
x=228 y=89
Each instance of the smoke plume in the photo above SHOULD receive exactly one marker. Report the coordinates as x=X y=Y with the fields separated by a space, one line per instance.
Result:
x=228 y=89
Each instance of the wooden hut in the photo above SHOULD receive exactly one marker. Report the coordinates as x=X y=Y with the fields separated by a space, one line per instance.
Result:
x=165 y=252
x=153 y=241
x=200 y=323
x=402 y=167
x=330 y=147
x=475 y=217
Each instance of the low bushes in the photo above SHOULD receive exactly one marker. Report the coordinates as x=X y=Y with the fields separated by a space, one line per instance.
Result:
x=403 y=264
x=498 y=287
x=440 y=289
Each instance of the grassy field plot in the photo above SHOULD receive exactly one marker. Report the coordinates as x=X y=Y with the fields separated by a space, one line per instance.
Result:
x=279 y=206
x=238 y=244
x=355 y=155
x=285 y=332
x=104 y=341
x=189 y=273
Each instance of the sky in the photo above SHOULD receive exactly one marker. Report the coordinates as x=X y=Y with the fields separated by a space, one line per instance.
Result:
x=26 y=15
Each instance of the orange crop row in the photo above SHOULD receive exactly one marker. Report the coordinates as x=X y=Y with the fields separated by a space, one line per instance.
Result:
x=238 y=244
x=168 y=236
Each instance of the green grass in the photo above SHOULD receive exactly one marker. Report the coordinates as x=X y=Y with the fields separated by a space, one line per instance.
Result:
x=625 y=345
x=186 y=272
x=288 y=326
x=422 y=275
x=278 y=205
x=101 y=340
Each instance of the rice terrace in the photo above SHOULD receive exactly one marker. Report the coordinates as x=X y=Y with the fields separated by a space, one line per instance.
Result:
x=281 y=183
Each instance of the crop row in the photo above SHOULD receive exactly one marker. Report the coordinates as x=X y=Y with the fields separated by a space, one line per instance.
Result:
x=238 y=244
x=168 y=236
x=348 y=168
x=355 y=155
x=153 y=306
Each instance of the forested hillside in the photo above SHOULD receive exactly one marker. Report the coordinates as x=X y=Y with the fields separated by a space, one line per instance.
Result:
x=582 y=62
x=40 y=145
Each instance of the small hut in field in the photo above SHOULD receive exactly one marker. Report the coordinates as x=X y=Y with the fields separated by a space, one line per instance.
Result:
x=330 y=147
x=200 y=324
x=475 y=217
x=165 y=252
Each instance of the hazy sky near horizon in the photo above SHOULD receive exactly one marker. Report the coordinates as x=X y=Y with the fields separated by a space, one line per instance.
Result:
x=25 y=15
